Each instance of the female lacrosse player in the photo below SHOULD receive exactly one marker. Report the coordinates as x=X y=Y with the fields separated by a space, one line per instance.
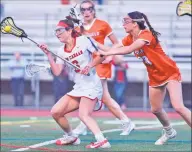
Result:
x=87 y=89
x=99 y=30
x=162 y=71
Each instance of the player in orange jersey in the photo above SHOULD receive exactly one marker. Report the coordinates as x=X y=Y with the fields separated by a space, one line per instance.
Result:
x=162 y=71
x=99 y=30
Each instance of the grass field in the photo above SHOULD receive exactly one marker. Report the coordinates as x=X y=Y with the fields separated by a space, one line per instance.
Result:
x=40 y=133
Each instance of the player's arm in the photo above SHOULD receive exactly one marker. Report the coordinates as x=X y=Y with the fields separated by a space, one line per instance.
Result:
x=107 y=48
x=126 y=49
x=97 y=60
x=56 y=68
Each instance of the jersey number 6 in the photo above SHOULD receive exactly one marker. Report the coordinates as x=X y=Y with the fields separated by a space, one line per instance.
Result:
x=75 y=62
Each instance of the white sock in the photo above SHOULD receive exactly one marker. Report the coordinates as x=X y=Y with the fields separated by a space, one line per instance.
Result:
x=82 y=125
x=125 y=120
x=168 y=130
x=99 y=137
x=70 y=133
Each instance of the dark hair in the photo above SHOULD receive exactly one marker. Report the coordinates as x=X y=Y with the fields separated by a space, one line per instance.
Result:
x=70 y=24
x=74 y=20
x=141 y=24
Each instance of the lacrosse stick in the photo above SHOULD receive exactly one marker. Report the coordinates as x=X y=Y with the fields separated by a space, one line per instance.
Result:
x=184 y=8
x=75 y=17
x=33 y=69
x=8 y=27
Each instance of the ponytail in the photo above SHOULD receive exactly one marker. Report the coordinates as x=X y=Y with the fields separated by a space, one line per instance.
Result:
x=155 y=33
x=74 y=32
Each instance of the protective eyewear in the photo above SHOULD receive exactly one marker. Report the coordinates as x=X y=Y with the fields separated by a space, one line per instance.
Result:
x=59 y=31
x=89 y=9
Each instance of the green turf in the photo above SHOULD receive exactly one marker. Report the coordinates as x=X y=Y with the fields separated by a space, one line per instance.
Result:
x=44 y=129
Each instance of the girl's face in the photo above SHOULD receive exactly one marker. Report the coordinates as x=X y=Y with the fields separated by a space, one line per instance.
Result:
x=62 y=34
x=87 y=11
x=128 y=24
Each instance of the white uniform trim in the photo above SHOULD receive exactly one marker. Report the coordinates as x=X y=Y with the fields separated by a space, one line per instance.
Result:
x=109 y=33
x=164 y=83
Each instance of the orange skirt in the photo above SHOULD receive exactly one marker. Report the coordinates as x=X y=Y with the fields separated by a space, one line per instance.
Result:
x=174 y=77
x=104 y=70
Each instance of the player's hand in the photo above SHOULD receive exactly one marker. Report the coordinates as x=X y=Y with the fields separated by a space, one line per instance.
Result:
x=103 y=53
x=44 y=48
x=86 y=70
x=108 y=59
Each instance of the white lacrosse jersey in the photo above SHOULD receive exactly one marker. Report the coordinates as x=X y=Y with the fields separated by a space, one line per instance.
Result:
x=81 y=56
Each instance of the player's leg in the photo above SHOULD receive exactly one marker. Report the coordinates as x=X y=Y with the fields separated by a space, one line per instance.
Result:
x=175 y=92
x=65 y=105
x=156 y=97
x=114 y=107
x=86 y=108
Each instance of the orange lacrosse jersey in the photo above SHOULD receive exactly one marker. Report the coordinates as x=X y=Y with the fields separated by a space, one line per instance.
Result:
x=159 y=66
x=99 y=30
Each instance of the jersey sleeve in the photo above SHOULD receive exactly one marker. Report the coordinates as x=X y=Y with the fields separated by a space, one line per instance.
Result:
x=91 y=44
x=108 y=29
x=126 y=41
x=146 y=36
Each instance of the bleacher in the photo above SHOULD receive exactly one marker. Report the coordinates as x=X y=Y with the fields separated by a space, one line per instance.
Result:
x=38 y=19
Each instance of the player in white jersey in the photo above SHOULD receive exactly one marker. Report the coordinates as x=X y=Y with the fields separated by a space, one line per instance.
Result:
x=87 y=89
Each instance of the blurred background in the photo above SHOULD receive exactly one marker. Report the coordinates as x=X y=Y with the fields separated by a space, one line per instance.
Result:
x=39 y=18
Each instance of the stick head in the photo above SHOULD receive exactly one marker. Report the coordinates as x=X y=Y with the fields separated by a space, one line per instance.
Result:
x=184 y=8
x=33 y=69
x=8 y=27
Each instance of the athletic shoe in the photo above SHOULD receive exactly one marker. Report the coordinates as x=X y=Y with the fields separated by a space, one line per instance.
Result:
x=81 y=129
x=68 y=140
x=102 y=144
x=127 y=128
x=165 y=137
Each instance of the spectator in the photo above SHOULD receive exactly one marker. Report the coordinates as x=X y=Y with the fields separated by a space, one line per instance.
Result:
x=17 y=67
x=120 y=80
x=60 y=85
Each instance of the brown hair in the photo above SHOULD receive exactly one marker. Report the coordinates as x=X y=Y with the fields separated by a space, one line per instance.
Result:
x=139 y=15
x=71 y=26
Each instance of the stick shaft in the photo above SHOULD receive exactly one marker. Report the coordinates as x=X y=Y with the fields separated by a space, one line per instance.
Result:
x=56 y=55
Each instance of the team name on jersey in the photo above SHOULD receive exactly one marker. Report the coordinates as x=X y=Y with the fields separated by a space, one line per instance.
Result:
x=74 y=55
x=141 y=55
x=93 y=34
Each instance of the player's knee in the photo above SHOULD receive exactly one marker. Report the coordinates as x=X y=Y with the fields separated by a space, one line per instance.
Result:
x=179 y=109
x=55 y=113
x=156 y=110
x=84 y=116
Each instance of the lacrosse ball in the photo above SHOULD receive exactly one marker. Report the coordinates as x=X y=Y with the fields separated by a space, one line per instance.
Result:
x=7 y=29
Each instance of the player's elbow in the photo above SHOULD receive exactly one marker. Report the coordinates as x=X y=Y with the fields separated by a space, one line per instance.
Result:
x=56 y=72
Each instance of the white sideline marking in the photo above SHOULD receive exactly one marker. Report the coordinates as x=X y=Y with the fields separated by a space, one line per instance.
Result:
x=36 y=145
x=146 y=127
x=105 y=131
x=136 y=122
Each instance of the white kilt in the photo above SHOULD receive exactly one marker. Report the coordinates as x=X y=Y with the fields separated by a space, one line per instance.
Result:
x=87 y=90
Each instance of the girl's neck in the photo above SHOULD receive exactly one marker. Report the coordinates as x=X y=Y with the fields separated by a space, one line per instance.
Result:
x=70 y=43
x=88 y=21
x=135 y=33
